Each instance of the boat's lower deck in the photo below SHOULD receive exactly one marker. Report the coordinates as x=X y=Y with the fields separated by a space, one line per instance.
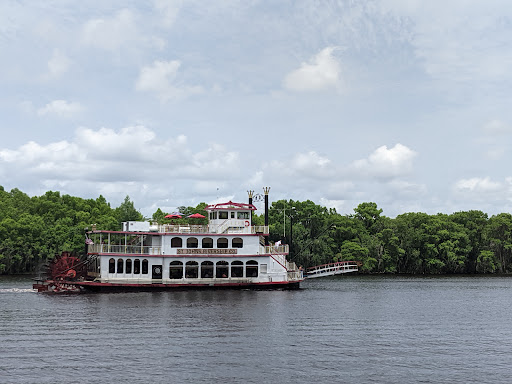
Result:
x=51 y=286
x=127 y=287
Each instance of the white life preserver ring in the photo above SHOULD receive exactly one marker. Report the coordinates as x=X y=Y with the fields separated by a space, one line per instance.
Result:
x=247 y=223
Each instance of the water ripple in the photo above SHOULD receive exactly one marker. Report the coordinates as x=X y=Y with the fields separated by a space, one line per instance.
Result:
x=353 y=330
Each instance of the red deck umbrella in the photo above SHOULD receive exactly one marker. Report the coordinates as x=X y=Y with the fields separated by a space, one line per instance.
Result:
x=196 y=216
x=173 y=216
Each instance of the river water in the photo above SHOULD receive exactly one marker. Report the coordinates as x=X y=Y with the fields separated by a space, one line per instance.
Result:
x=347 y=329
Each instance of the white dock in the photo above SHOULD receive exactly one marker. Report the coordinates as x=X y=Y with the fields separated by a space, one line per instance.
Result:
x=332 y=269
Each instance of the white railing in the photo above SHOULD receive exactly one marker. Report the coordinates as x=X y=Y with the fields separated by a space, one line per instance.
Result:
x=259 y=229
x=294 y=273
x=125 y=249
x=281 y=259
x=273 y=249
x=234 y=226
x=222 y=227
x=332 y=269
x=229 y=226
x=180 y=228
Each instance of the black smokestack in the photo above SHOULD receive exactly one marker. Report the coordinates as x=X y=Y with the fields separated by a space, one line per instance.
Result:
x=251 y=194
x=266 y=190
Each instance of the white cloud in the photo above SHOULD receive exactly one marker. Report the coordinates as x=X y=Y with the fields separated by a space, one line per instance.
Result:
x=484 y=193
x=124 y=32
x=255 y=178
x=407 y=190
x=386 y=163
x=311 y=164
x=128 y=144
x=120 y=162
x=161 y=79
x=58 y=64
x=168 y=9
x=321 y=73
x=217 y=157
x=478 y=185
x=158 y=77
x=111 y=33
x=459 y=41
x=301 y=170
x=339 y=189
x=496 y=153
x=61 y=108
x=497 y=127
x=380 y=177
x=495 y=140
x=338 y=205
x=26 y=107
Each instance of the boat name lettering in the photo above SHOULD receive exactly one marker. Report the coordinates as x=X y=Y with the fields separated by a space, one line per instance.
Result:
x=207 y=251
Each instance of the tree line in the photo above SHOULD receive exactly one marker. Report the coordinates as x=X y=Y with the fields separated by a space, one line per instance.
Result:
x=465 y=242
x=34 y=229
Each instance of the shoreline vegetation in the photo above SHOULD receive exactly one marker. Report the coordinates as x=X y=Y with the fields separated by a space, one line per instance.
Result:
x=34 y=229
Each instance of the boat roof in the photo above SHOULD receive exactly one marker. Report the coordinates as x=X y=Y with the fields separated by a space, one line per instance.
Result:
x=231 y=206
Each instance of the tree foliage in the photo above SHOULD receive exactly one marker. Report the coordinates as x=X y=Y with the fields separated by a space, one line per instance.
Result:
x=34 y=229
x=412 y=243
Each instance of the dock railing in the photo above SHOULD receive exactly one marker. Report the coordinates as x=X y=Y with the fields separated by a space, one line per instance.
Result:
x=332 y=269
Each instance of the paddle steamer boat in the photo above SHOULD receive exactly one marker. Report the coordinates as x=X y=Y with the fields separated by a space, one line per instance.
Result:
x=227 y=252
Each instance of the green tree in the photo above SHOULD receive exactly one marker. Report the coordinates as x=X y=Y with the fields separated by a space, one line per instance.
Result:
x=487 y=262
x=474 y=223
x=158 y=215
x=353 y=251
x=498 y=236
x=127 y=212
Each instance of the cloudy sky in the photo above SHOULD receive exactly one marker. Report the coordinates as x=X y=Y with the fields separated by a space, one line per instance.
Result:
x=405 y=103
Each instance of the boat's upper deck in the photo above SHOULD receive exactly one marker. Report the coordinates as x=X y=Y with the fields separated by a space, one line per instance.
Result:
x=227 y=227
x=229 y=230
x=225 y=218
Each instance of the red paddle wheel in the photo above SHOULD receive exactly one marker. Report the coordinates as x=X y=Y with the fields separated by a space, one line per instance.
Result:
x=62 y=271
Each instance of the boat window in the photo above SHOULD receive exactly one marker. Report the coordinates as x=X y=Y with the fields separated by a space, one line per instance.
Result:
x=192 y=242
x=222 y=242
x=120 y=265
x=237 y=242
x=251 y=268
x=237 y=269
x=145 y=269
x=213 y=215
x=111 y=266
x=222 y=270
x=232 y=215
x=206 y=270
x=223 y=215
x=176 y=270
x=207 y=242
x=136 y=266
x=191 y=269
x=129 y=266
x=176 y=242
x=243 y=215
